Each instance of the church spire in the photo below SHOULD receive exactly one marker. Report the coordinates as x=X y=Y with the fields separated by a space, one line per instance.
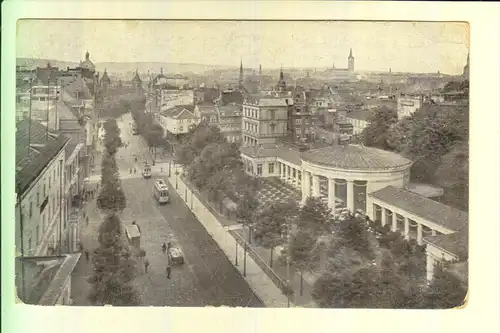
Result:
x=240 y=81
x=350 y=53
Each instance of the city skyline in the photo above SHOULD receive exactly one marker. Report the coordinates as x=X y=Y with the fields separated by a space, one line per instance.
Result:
x=413 y=46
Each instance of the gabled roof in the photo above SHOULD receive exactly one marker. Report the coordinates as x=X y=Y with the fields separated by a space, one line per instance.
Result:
x=31 y=160
x=185 y=114
x=74 y=84
x=446 y=216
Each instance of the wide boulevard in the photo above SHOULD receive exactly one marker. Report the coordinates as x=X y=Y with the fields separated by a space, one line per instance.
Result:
x=207 y=278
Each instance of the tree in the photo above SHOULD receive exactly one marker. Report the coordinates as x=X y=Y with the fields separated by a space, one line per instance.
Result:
x=315 y=216
x=353 y=233
x=114 y=268
x=271 y=224
x=381 y=119
x=198 y=139
x=445 y=290
x=300 y=249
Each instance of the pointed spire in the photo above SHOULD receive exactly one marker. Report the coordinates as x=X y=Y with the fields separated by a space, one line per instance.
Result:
x=240 y=81
x=281 y=73
x=350 y=53
x=87 y=55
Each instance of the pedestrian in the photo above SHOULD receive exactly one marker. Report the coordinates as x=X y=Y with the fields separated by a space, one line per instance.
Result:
x=87 y=220
x=87 y=255
x=146 y=265
x=164 y=248
x=135 y=170
x=169 y=270
x=130 y=170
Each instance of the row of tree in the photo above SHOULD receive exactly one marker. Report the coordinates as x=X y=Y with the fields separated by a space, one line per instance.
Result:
x=114 y=263
x=214 y=166
x=151 y=131
x=436 y=138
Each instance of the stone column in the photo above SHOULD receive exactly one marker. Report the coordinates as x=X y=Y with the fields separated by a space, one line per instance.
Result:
x=331 y=193
x=394 y=222
x=350 y=195
x=407 y=228
x=383 y=217
x=306 y=186
x=419 y=234
x=430 y=261
x=316 y=189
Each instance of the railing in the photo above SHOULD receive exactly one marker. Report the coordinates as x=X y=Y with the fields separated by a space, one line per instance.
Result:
x=282 y=285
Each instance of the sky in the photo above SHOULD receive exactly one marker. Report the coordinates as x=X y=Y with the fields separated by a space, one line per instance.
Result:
x=401 y=46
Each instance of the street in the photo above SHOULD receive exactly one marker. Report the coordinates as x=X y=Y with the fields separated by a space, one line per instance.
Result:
x=207 y=278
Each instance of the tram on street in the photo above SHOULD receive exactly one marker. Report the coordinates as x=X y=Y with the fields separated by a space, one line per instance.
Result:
x=146 y=170
x=160 y=191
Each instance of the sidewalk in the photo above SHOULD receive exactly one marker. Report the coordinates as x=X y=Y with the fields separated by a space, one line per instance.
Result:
x=280 y=269
x=79 y=286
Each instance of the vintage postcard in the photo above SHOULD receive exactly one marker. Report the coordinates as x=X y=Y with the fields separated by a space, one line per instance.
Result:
x=234 y=168
x=249 y=166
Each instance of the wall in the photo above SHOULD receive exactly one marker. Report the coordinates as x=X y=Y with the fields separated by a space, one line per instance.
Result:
x=407 y=105
x=41 y=227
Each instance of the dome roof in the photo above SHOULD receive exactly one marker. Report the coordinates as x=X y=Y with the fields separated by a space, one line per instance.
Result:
x=355 y=157
x=87 y=64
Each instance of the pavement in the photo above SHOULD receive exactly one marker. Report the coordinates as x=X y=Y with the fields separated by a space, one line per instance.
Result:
x=207 y=278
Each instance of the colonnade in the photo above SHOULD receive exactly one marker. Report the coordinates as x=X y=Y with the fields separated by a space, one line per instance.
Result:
x=410 y=228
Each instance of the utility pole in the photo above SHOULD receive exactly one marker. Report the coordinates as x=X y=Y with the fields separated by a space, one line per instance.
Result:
x=48 y=105
x=29 y=121
x=61 y=174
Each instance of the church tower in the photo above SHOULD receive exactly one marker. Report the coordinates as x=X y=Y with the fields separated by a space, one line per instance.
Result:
x=350 y=62
x=240 y=81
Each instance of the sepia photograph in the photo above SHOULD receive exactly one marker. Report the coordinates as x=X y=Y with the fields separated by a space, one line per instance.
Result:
x=264 y=164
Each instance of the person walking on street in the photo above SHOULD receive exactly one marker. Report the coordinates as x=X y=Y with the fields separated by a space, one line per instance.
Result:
x=169 y=269
x=87 y=255
x=164 y=248
x=146 y=265
x=134 y=171
x=87 y=220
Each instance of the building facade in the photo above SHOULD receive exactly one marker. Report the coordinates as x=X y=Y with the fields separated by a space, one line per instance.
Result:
x=40 y=161
x=178 y=120
x=230 y=121
x=264 y=119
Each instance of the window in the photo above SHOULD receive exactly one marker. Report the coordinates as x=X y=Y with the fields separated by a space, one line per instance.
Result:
x=42 y=99
x=259 y=169
x=37 y=234
x=44 y=221
x=31 y=210
x=29 y=245
x=297 y=121
x=37 y=197
x=273 y=128
x=271 y=168
x=181 y=128
x=50 y=181
x=298 y=130
x=272 y=114
x=44 y=190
